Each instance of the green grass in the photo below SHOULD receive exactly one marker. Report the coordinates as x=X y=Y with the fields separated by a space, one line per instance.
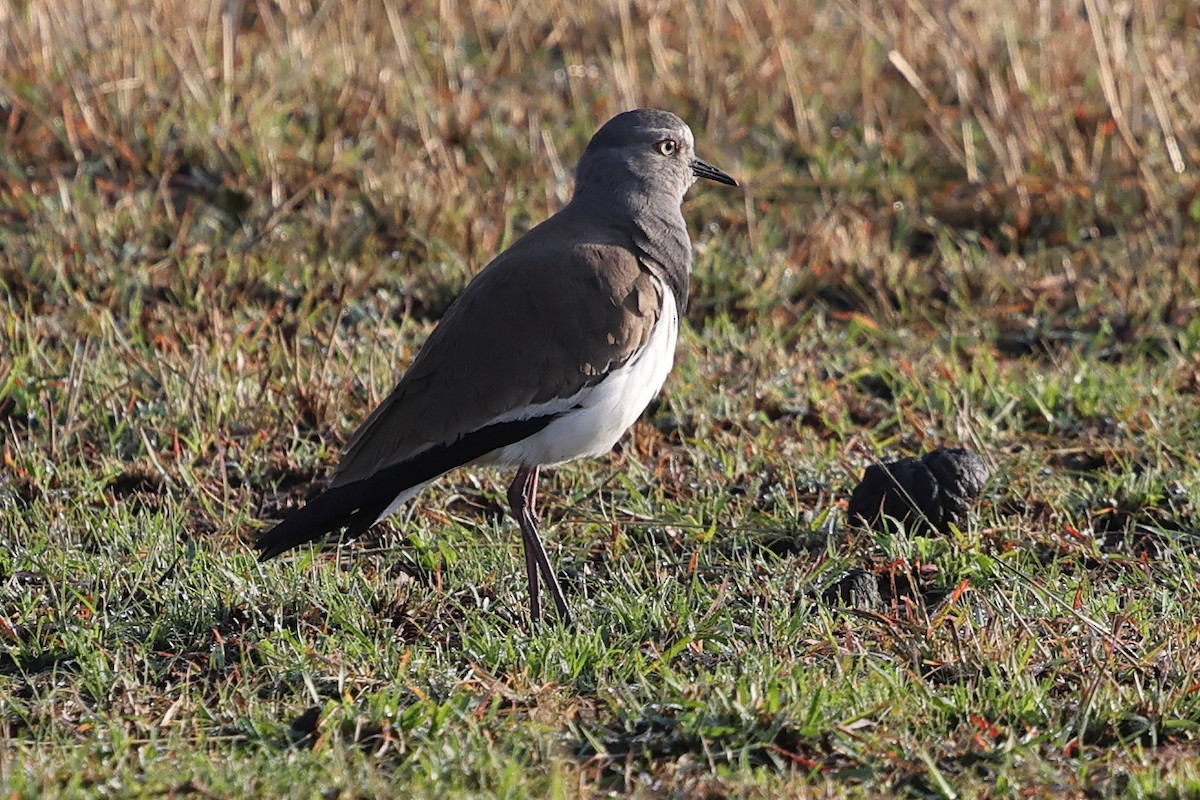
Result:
x=221 y=240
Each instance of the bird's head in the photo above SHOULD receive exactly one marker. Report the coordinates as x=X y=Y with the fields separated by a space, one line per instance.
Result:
x=645 y=151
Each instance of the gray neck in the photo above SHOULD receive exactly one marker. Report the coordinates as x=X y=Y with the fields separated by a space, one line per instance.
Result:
x=666 y=250
x=653 y=226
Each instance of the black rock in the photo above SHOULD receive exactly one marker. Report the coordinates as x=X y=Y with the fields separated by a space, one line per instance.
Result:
x=933 y=491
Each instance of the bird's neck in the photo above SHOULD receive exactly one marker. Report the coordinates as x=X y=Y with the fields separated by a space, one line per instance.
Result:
x=664 y=247
x=653 y=226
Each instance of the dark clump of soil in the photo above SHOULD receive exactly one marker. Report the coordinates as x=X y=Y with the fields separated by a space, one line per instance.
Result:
x=931 y=492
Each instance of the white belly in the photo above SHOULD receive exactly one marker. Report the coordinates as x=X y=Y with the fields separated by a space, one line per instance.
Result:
x=606 y=410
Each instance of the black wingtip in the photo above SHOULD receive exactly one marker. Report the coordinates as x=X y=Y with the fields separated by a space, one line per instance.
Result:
x=349 y=509
x=268 y=547
x=352 y=508
x=329 y=512
x=287 y=534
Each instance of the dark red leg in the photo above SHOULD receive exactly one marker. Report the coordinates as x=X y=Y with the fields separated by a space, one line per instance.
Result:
x=522 y=495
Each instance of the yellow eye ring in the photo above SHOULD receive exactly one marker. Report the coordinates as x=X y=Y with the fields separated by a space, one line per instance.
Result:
x=666 y=147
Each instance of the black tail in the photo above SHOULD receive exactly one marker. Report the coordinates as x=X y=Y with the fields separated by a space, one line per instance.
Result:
x=355 y=506
x=351 y=506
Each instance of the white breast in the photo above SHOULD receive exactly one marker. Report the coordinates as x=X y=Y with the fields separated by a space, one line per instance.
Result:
x=605 y=410
x=593 y=419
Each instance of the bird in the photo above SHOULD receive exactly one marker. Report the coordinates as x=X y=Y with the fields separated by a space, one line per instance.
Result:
x=549 y=354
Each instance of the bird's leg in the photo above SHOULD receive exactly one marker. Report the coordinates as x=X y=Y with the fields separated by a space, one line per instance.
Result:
x=522 y=494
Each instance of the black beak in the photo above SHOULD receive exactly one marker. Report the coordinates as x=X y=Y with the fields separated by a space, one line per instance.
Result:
x=703 y=169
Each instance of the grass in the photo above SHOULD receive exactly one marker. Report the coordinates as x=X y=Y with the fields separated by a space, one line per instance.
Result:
x=226 y=228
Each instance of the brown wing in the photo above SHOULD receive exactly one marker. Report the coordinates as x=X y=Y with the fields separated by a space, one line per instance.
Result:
x=542 y=321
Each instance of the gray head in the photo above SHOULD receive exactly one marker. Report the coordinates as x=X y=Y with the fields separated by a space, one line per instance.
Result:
x=646 y=153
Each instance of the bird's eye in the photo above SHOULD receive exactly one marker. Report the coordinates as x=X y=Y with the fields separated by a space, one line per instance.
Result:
x=666 y=146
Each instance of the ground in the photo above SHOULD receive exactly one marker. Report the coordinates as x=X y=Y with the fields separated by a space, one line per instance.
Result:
x=225 y=228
